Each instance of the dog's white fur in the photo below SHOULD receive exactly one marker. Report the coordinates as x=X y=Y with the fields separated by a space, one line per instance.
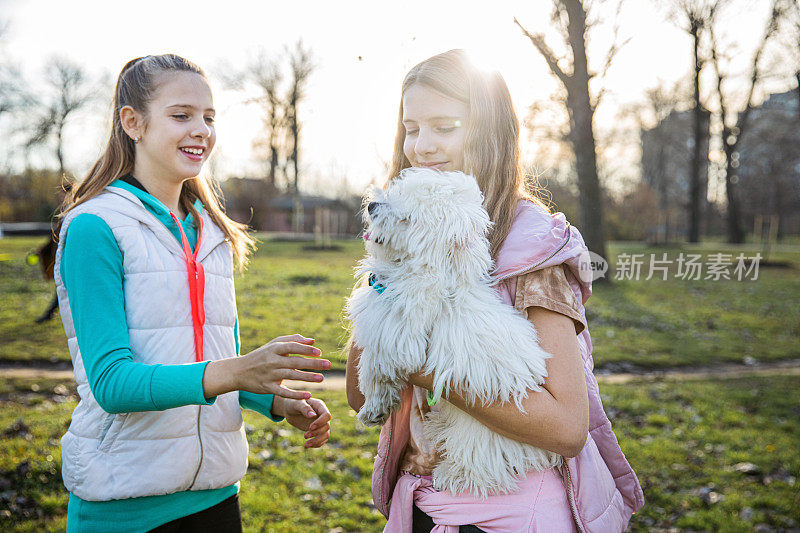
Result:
x=426 y=244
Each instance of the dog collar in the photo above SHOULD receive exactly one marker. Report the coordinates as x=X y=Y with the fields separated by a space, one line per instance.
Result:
x=373 y=282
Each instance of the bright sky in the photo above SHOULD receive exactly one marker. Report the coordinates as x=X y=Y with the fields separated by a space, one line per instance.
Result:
x=362 y=49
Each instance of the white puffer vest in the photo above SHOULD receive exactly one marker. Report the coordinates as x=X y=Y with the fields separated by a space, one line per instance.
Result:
x=115 y=456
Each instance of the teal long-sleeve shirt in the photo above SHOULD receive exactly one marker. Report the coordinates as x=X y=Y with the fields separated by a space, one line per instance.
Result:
x=91 y=268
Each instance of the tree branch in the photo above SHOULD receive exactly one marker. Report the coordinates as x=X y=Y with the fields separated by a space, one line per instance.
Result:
x=615 y=46
x=545 y=51
x=723 y=107
x=755 y=76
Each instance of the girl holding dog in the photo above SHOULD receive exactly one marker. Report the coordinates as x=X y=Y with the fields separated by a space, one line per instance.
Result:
x=456 y=117
x=144 y=276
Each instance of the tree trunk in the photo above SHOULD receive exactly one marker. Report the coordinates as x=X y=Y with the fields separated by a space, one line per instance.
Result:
x=294 y=130
x=273 y=165
x=663 y=190
x=797 y=77
x=696 y=163
x=60 y=153
x=272 y=124
x=581 y=114
x=735 y=233
x=295 y=163
x=777 y=199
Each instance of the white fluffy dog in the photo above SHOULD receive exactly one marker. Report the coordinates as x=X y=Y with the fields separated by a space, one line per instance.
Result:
x=430 y=306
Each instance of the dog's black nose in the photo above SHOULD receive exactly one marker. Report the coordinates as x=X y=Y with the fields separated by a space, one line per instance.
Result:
x=371 y=207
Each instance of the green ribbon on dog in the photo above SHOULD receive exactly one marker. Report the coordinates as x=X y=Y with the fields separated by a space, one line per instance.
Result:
x=432 y=398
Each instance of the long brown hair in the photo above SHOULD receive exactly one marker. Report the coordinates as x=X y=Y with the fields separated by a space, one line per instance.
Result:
x=136 y=87
x=491 y=145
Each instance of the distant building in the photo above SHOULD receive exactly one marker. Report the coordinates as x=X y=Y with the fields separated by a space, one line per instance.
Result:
x=667 y=151
x=311 y=214
x=252 y=201
x=768 y=161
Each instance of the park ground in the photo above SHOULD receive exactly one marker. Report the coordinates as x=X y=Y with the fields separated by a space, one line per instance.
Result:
x=714 y=450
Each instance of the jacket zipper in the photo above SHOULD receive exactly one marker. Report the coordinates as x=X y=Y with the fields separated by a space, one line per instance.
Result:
x=220 y=243
x=530 y=268
x=200 y=440
x=571 y=496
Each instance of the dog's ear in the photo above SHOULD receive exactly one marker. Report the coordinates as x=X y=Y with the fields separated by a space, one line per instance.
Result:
x=470 y=222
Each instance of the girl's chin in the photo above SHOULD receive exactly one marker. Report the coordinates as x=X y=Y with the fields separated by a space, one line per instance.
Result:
x=187 y=174
x=192 y=169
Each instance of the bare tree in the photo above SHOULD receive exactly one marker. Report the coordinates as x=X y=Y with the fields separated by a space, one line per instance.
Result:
x=301 y=66
x=734 y=125
x=71 y=90
x=695 y=17
x=570 y=18
x=265 y=73
x=261 y=80
x=13 y=95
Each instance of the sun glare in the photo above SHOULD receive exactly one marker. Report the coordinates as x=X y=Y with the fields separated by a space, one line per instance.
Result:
x=484 y=58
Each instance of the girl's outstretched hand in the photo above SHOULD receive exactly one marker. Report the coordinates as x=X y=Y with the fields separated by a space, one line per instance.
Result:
x=262 y=370
x=311 y=416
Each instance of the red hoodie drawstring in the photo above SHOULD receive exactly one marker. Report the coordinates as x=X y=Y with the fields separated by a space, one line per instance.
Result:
x=197 y=286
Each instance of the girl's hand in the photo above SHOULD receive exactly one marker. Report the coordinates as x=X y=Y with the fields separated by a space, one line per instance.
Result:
x=311 y=416
x=262 y=370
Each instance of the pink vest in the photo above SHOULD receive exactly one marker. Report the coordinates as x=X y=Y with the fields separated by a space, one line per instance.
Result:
x=601 y=486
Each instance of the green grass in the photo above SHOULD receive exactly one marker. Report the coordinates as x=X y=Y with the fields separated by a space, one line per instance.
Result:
x=641 y=323
x=24 y=296
x=661 y=323
x=288 y=289
x=684 y=440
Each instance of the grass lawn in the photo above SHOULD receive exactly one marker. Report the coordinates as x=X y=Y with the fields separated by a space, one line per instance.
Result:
x=661 y=323
x=640 y=323
x=716 y=455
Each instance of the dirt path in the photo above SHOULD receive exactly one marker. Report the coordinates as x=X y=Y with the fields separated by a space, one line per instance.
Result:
x=336 y=380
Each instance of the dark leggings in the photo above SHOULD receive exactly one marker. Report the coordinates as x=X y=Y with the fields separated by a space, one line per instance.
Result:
x=422 y=523
x=221 y=518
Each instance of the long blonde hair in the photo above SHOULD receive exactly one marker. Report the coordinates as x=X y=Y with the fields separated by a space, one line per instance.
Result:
x=491 y=145
x=136 y=87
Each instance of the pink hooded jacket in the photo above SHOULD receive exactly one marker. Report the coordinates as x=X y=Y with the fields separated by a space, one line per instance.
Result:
x=602 y=488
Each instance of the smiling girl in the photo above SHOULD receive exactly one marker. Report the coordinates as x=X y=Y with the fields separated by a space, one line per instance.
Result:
x=144 y=276
x=455 y=117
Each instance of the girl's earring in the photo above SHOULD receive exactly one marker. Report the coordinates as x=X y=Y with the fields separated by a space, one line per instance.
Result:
x=136 y=140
